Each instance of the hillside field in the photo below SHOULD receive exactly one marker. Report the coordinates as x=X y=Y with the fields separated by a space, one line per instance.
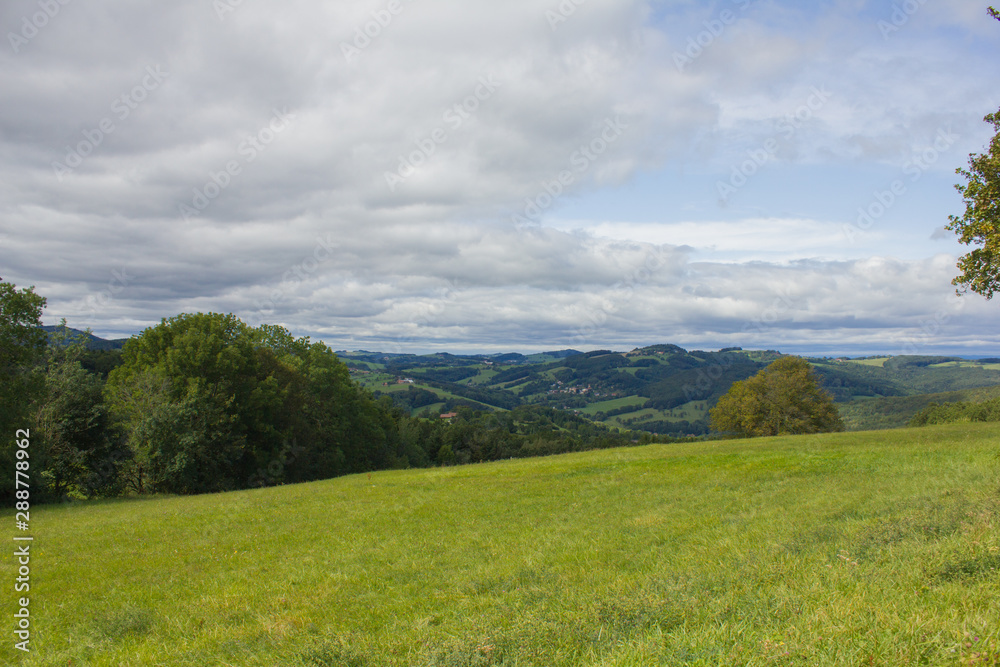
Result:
x=862 y=548
x=661 y=389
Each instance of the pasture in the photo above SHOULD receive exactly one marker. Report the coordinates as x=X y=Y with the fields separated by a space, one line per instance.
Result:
x=840 y=549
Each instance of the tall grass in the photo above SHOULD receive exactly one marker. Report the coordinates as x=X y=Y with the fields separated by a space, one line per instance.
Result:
x=842 y=549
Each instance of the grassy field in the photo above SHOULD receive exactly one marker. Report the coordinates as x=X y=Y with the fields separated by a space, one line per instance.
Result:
x=880 y=361
x=966 y=364
x=875 y=548
x=613 y=404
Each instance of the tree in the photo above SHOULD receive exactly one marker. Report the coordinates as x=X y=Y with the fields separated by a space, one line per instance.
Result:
x=186 y=397
x=980 y=225
x=782 y=399
x=22 y=344
x=208 y=403
x=74 y=448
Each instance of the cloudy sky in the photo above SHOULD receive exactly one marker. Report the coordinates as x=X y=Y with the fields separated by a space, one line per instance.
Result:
x=417 y=175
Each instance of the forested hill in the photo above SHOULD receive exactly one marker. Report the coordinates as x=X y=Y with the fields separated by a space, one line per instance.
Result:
x=661 y=389
x=91 y=341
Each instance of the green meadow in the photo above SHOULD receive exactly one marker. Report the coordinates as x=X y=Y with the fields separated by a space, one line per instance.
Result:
x=870 y=548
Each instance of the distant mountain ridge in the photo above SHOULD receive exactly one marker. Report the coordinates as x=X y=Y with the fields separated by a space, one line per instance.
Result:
x=92 y=342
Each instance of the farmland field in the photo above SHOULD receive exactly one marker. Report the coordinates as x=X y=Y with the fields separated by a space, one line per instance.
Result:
x=841 y=549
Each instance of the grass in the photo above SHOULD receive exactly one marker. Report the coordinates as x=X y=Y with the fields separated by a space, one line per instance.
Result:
x=880 y=361
x=844 y=549
x=613 y=404
x=966 y=364
x=691 y=411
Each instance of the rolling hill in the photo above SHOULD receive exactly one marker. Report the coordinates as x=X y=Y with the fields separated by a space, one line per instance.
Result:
x=92 y=341
x=838 y=549
x=661 y=389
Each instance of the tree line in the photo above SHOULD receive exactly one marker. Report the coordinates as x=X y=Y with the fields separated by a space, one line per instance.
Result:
x=203 y=402
x=961 y=411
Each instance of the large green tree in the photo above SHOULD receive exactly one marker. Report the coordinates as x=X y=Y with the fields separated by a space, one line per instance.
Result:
x=187 y=396
x=75 y=451
x=782 y=399
x=980 y=225
x=22 y=345
x=208 y=403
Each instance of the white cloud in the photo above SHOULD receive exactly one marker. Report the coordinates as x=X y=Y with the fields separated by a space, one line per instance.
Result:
x=300 y=225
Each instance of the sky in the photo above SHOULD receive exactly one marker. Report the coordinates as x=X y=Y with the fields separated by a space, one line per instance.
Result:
x=526 y=175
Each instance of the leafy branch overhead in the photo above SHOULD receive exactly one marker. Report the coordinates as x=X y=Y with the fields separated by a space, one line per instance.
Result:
x=980 y=225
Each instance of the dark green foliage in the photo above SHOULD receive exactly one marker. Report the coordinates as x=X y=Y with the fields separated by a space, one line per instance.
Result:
x=62 y=333
x=674 y=428
x=706 y=383
x=203 y=402
x=22 y=344
x=901 y=376
x=76 y=448
x=986 y=411
x=485 y=395
x=527 y=430
x=207 y=403
x=668 y=378
x=662 y=349
x=414 y=398
x=897 y=411
x=916 y=361
x=514 y=375
x=447 y=374
x=598 y=360
x=536 y=387
x=73 y=447
x=101 y=362
x=846 y=381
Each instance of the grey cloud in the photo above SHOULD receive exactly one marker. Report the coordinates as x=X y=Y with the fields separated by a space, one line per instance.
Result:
x=307 y=232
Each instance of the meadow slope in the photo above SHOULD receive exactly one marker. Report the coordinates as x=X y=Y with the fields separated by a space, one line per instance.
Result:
x=842 y=549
